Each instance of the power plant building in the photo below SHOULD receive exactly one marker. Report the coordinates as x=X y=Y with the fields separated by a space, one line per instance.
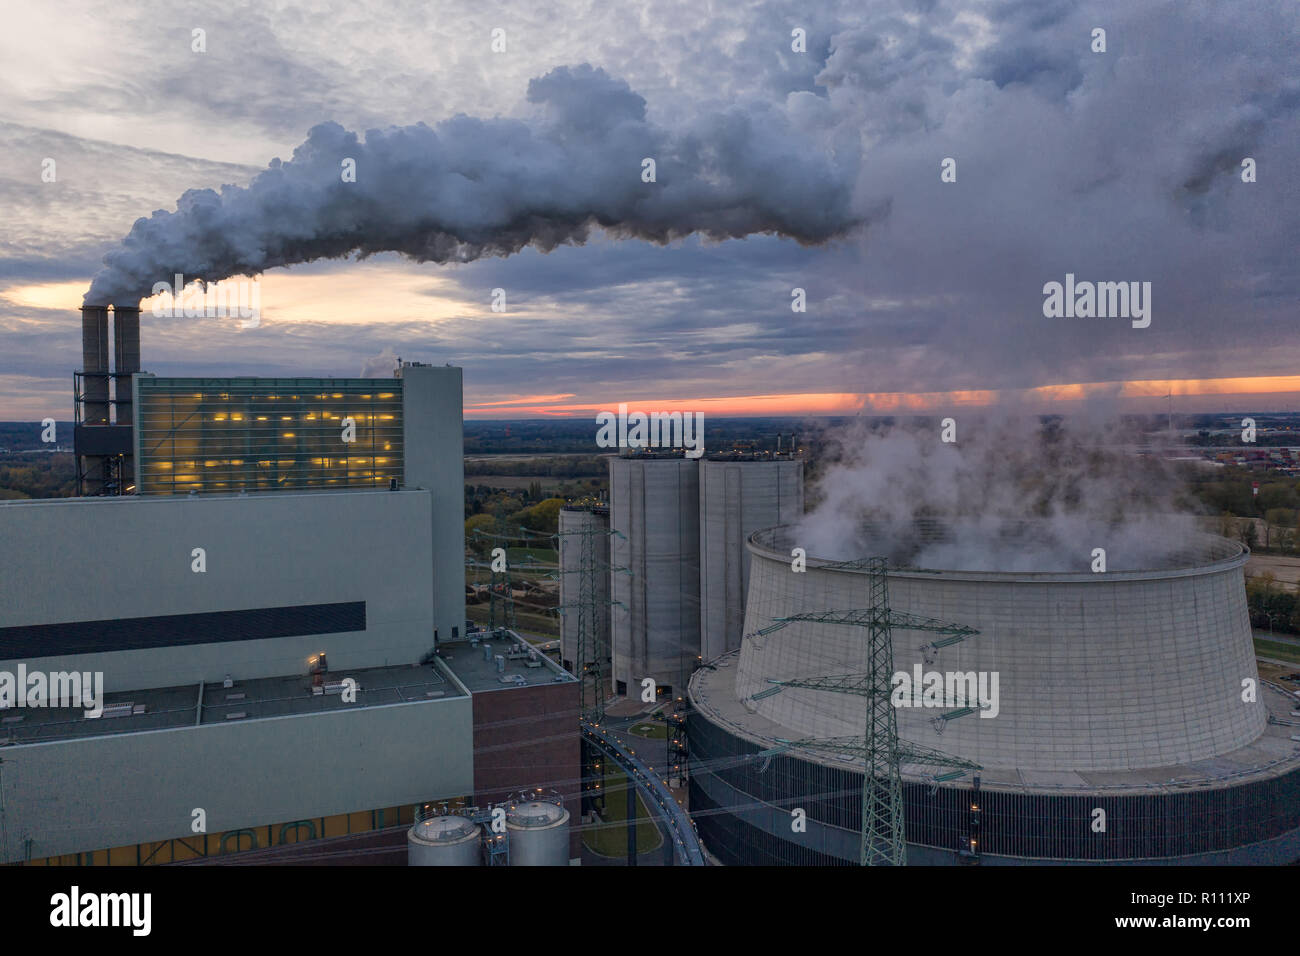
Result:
x=277 y=614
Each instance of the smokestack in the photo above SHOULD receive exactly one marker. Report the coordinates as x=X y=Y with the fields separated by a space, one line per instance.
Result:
x=94 y=362
x=126 y=357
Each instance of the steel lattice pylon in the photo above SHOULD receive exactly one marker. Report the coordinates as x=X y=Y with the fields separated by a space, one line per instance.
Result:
x=500 y=588
x=592 y=647
x=884 y=838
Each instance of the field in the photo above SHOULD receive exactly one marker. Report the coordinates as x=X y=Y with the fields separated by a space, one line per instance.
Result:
x=1285 y=568
x=1277 y=650
x=650 y=729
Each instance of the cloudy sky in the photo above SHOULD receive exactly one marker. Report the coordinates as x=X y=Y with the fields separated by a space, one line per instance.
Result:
x=778 y=169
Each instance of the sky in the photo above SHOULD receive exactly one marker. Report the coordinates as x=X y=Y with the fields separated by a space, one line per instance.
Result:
x=519 y=169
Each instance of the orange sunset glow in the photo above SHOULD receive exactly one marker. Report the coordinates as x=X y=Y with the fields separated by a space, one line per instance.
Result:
x=1139 y=394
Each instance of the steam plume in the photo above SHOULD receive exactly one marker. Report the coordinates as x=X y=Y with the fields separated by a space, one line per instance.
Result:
x=1008 y=496
x=469 y=187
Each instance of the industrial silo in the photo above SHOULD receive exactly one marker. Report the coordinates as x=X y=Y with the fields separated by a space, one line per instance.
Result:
x=584 y=540
x=539 y=834
x=739 y=494
x=443 y=840
x=654 y=505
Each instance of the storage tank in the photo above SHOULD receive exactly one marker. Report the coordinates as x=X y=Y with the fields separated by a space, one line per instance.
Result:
x=539 y=834
x=443 y=840
x=739 y=494
x=573 y=520
x=655 y=505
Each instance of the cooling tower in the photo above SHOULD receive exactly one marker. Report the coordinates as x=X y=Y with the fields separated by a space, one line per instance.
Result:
x=1096 y=672
x=738 y=496
x=654 y=504
x=594 y=611
x=1121 y=718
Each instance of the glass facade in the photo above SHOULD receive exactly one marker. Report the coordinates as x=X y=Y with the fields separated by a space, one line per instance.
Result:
x=266 y=434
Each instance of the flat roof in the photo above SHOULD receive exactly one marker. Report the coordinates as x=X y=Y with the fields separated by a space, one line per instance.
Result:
x=466 y=660
x=171 y=707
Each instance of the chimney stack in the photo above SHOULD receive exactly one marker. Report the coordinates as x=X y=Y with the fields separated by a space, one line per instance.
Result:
x=103 y=439
x=126 y=357
x=94 y=362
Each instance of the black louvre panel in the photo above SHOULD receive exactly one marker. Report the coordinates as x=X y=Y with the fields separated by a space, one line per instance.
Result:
x=179 y=630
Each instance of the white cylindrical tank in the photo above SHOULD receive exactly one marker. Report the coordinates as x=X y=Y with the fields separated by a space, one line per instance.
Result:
x=444 y=840
x=573 y=521
x=738 y=496
x=539 y=834
x=655 y=506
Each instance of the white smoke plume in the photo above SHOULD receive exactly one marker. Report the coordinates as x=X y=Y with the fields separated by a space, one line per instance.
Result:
x=470 y=187
x=381 y=365
x=1010 y=495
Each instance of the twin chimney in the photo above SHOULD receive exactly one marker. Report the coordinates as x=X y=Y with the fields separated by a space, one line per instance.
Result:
x=103 y=438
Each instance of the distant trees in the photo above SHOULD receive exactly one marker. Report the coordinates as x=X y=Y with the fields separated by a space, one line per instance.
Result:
x=37 y=475
x=1272 y=607
x=543 y=517
x=574 y=466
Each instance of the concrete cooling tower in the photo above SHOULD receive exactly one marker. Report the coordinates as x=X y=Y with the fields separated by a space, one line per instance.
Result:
x=1133 y=693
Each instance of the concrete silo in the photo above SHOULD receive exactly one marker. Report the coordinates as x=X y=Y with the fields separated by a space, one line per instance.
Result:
x=574 y=521
x=655 y=506
x=739 y=494
x=539 y=834
x=443 y=840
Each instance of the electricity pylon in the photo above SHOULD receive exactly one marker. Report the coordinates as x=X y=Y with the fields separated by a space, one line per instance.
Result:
x=500 y=588
x=884 y=838
x=592 y=647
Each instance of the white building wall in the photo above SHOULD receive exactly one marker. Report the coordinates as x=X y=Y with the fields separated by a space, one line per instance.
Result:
x=434 y=454
x=100 y=559
x=99 y=792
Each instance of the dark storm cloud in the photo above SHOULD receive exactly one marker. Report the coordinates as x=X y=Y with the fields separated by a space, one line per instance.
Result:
x=1116 y=166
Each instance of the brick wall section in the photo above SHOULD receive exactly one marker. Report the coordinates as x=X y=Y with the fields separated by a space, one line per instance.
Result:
x=529 y=737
